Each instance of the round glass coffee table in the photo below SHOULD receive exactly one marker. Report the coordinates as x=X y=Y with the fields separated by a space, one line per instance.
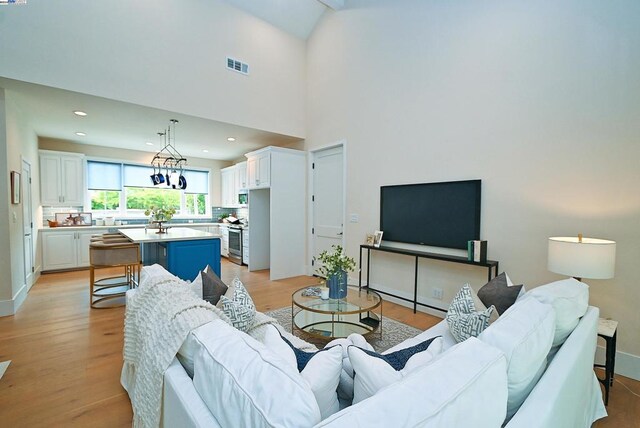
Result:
x=360 y=312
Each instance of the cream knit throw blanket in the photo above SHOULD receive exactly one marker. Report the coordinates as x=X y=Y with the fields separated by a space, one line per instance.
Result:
x=157 y=320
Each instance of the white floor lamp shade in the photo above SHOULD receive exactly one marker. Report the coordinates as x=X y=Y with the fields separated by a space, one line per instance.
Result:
x=582 y=257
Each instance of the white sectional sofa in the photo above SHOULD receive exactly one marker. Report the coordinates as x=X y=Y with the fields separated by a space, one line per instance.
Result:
x=468 y=384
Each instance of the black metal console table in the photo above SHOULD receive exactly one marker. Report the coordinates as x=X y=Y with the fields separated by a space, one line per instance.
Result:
x=489 y=264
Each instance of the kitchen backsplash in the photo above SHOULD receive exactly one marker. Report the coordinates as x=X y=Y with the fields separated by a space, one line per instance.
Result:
x=241 y=213
x=49 y=213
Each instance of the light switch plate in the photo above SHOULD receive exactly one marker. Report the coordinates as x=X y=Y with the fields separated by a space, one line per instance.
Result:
x=354 y=218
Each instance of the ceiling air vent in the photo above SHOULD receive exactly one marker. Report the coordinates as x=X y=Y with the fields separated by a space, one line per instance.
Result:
x=235 y=65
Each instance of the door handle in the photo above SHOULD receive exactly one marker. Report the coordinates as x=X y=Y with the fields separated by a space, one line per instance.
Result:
x=339 y=233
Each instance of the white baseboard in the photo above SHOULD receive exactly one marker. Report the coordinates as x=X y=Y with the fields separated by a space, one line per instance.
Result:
x=10 y=307
x=627 y=365
x=425 y=300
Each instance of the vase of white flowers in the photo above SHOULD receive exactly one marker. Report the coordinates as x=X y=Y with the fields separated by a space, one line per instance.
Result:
x=334 y=267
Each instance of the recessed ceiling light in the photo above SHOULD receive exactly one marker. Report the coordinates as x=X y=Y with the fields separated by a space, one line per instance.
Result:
x=81 y=134
x=79 y=113
x=149 y=143
x=231 y=139
x=206 y=151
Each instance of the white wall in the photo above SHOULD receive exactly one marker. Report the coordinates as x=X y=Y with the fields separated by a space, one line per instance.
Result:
x=138 y=156
x=165 y=54
x=540 y=100
x=17 y=141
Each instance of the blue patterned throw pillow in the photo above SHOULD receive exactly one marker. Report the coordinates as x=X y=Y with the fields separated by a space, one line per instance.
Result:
x=239 y=306
x=398 y=359
x=463 y=319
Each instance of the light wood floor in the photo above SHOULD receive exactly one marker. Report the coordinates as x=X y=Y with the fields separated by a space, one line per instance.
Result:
x=66 y=358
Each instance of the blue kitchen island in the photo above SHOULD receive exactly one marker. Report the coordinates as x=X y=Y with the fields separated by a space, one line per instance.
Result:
x=182 y=251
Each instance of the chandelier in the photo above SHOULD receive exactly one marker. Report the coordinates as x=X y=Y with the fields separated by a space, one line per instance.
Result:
x=169 y=160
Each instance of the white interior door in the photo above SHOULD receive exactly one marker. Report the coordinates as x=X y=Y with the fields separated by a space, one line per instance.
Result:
x=27 y=222
x=327 y=200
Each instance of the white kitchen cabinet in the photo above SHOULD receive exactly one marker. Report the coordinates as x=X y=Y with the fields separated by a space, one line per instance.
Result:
x=82 y=241
x=61 y=179
x=59 y=250
x=232 y=179
x=259 y=169
x=245 y=247
x=264 y=170
x=224 y=242
x=65 y=249
x=228 y=187
x=252 y=171
x=241 y=175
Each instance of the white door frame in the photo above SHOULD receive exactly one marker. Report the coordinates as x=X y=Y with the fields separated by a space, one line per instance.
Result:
x=310 y=191
x=28 y=276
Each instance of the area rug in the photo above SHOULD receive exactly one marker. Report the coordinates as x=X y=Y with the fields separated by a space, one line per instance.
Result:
x=393 y=332
x=3 y=367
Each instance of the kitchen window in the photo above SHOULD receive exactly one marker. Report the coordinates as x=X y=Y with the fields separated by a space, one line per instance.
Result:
x=126 y=190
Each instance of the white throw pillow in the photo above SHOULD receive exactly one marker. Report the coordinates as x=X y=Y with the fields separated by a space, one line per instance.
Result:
x=372 y=373
x=570 y=299
x=322 y=371
x=186 y=353
x=244 y=384
x=465 y=386
x=524 y=334
x=345 y=386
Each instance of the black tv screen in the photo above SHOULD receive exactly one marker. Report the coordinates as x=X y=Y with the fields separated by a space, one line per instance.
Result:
x=443 y=214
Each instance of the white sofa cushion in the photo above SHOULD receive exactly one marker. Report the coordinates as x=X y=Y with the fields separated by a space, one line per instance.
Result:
x=524 y=333
x=245 y=384
x=464 y=386
x=570 y=299
x=322 y=370
x=373 y=371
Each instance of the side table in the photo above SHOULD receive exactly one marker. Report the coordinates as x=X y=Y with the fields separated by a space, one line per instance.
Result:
x=608 y=330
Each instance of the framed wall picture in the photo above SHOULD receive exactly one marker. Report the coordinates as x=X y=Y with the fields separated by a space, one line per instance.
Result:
x=377 y=238
x=15 y=187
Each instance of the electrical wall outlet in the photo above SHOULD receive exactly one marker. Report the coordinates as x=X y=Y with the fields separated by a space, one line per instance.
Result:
x=436 y=293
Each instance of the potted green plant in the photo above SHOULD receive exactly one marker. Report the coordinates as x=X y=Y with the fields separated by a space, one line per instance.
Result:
x=159 y=215
x=334 y=267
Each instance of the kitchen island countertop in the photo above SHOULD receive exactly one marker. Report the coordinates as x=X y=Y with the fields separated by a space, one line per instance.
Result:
x=174 y=234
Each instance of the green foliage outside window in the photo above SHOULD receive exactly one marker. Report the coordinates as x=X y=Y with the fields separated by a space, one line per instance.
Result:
x=195 y=203
x=141 y=198
x=108 y=200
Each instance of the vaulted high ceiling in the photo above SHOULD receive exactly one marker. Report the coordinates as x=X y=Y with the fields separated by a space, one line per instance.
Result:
x=119 y=124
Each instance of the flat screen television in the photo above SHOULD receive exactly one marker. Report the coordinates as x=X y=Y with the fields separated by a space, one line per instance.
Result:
x=443 y=214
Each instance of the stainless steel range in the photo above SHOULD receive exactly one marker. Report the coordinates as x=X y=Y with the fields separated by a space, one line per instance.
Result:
x=235 y=244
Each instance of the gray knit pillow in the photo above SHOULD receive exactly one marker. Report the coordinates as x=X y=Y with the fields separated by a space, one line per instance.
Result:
x=212 y=286
x=500 y=293
x=462 y=318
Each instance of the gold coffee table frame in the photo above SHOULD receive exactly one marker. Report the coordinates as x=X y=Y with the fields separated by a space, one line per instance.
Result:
x=360 y=312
